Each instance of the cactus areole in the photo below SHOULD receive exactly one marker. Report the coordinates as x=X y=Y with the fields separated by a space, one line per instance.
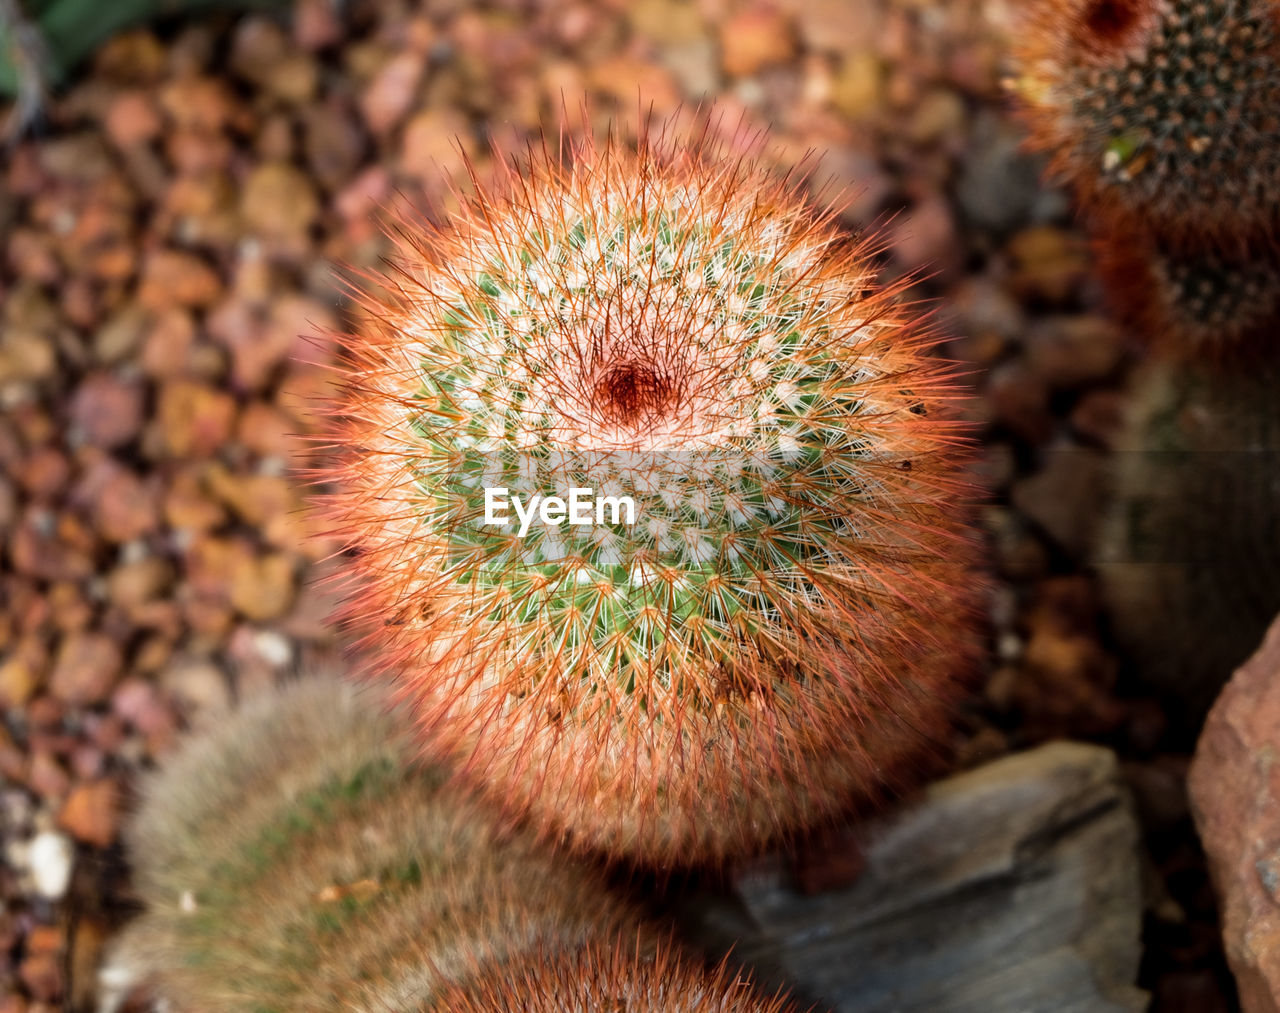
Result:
x=656 y=500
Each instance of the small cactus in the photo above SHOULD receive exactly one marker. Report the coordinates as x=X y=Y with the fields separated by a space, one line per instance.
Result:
x=780 y=626
x=1165 y=113
x=1196 y=304
x=296 y=859
x=1189 y=555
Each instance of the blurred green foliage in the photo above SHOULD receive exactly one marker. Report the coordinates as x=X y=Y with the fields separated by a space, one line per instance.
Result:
x=72 y=29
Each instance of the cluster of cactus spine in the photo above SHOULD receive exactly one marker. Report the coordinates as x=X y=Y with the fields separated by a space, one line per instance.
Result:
x=576 y=982
x=1164 y=118
x=781 y=627
x=296 y=858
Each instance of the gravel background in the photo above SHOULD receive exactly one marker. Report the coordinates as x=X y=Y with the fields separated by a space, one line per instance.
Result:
x=169 y=231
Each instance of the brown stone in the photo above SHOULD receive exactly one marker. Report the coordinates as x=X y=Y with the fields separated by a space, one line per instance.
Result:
x=131 y=585
x=1049 y=263
x=194 y=420
x=120 y=504
x=202 y=104
x=1235 y=798
x=90 y=812
x=188 y=507
x=86 y=666
x=390 y=95
x=107 y=411
x=175 y=278
x=316 y=24
x=18 y=680
x=279 y=203
x=46 y=776
x=435 y=147
x=133 y=119
x=1070 y=351
x=44 y=472
x=262 y=587
x=268 y=432
x=168 y=346
x=754 y=39
x=856 y=90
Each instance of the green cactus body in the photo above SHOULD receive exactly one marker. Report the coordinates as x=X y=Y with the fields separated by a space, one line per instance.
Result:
x=771 y=629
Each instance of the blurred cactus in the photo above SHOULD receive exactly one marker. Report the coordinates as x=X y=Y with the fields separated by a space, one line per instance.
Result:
x=296 y=859
x=1195 y=304
x=1190 y=554
x=1161 y=113
x=783 y=624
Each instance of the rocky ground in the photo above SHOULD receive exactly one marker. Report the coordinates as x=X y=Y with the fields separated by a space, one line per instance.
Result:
x=169 y=235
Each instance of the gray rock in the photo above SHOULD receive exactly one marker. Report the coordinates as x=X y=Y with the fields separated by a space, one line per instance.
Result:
x=999 y=183
x=1013 y=888
x=1062 y=496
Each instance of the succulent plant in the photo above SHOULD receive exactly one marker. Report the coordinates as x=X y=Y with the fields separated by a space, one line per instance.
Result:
x=296 y=858
x=1164 y=113
x=776 y=625
x=1190 y=551
x=1192 y=304
x=573 y=981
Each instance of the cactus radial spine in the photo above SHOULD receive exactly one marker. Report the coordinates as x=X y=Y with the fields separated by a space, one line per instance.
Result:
x=575 y=982
x=781 y=626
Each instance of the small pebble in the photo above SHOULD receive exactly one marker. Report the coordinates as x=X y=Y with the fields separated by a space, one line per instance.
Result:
x=50 y=857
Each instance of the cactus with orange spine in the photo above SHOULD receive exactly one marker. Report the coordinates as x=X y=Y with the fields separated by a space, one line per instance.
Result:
x=1161 y=114
x=776 y=627
x=574 y=982
x=296 y=858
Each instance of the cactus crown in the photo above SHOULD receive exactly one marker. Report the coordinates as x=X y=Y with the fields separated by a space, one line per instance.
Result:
x=1164 y=111
x=683 y=332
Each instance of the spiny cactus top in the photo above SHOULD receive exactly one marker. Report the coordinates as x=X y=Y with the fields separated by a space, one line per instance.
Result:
x=746 y=609
x=575 y=981
x=1166 y=112
x=296 y=859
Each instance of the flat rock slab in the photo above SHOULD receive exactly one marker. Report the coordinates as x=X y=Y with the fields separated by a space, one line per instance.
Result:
x=1013 y=888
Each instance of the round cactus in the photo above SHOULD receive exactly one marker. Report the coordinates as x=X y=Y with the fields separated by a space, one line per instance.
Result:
x=1201 y=304
x=764 y=603
x=1190 y=551
x=574 y=981
x=1165 y=112
x=297 y=859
